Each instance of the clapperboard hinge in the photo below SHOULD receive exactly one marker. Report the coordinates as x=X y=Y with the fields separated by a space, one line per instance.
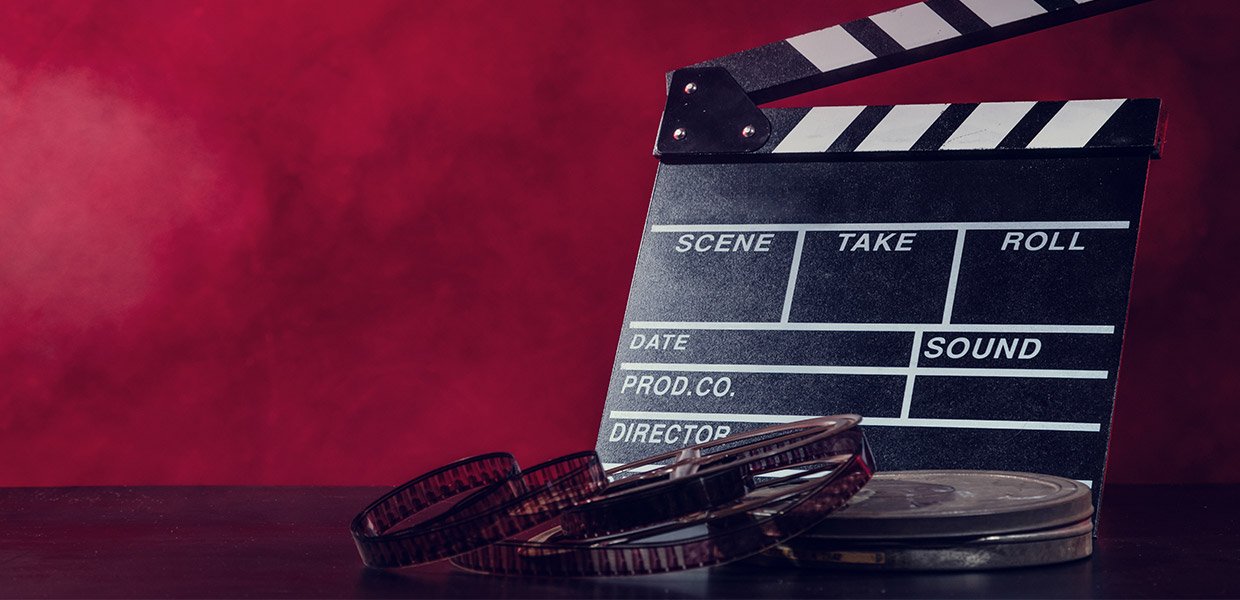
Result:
x=709 y=113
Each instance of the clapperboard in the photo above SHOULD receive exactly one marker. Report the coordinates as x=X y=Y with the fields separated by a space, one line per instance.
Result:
x=958 y=274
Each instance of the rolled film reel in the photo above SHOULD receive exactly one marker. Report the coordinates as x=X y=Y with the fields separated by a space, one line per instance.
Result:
x=488 y=498
x=712 y=503
x=672 y=484
x=836 y=463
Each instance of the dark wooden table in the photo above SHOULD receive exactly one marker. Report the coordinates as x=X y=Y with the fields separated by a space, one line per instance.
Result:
x=1156 y=541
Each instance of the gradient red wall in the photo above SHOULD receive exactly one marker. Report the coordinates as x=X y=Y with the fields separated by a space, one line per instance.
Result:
x=339 y=243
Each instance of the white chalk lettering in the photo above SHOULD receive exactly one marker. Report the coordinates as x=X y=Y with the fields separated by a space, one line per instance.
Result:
x=1040 y=240
x=983 y=348
x=725 y=242
x=877 y=242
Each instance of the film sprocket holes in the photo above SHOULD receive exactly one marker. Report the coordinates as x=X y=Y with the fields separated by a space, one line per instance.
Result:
x=712 y=503
x=699 y=534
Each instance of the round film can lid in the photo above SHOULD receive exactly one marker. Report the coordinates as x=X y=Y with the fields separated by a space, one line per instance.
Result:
x=903 y=505
x=1024 y=549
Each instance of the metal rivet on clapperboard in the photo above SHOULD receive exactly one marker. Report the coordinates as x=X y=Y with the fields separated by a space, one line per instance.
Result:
x=679 y=134
x=690 y=87
x=748 y=131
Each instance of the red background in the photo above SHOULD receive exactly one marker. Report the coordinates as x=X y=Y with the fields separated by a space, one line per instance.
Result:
x=339 y=243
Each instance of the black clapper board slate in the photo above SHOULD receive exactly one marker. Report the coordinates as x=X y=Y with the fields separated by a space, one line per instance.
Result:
x=957 y=274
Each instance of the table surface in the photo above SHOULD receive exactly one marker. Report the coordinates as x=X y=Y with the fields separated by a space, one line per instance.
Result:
x=1155 y=541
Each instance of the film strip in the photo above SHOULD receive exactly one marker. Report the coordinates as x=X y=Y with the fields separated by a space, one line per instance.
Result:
x=709 y=504
x=704 y=476
x=488 y=499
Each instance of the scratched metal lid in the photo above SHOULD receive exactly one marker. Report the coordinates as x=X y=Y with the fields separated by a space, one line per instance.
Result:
x=1023 y=549
x=904 y=505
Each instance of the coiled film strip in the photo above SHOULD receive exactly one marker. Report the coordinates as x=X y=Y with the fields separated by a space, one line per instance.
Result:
x=704 y=476
x=490 y=499
x=709 y=504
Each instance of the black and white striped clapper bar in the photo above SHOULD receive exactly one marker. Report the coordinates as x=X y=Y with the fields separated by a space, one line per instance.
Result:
x=958 y=274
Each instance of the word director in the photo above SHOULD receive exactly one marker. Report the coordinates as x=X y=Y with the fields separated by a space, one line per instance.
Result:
x=664 y=433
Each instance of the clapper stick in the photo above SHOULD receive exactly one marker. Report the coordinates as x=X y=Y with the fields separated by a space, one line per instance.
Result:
x=893 y=39
x=712 y=108
x=958 y=274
